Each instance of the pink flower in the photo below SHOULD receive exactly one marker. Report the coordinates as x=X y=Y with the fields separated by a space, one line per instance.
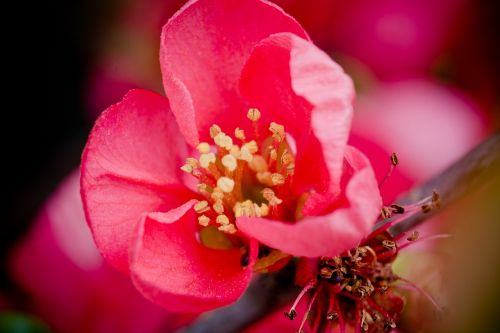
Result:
x=427 y=125
x=394 y=38
x=291 y=183
x=69 y=284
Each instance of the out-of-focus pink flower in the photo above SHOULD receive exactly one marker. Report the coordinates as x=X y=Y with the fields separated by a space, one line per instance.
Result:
x=427 y=125
x=430 y=127
x=69 y=284
x=105 y=87
x=394 y=37
x=217 y=64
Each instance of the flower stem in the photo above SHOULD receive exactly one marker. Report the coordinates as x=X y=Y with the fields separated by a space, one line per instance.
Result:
x=472 y=171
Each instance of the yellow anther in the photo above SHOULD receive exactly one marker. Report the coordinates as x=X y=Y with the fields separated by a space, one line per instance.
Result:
x=244 y=208
x=225 y=184
x=214 y=130
x=253 y=114
x=269 y=195
x=224 y=141
x=204 y=188
x=229 y=161
x=290 y=168
x=187 y=168
x=192 y=162
x=286 y=158
x=238 y=209
x=265 y=178
x=201 y=206
x=277 y=130
x=277 y=179
x=258 y=164
x=206 y=159
x=222 y=219
x=251 y=146
x=217 y=194
x=190 y=165
x=248 y=208
x=273 y=154
x=218 y=206
x=228 y=228
x=235 y=151
x=239 y=133
x=203 y=148
x=259 y=212
x=274 y=201
x=245 y=154
x=256 y=209
x=203 y=220
x=264 y=209
x=223 y=165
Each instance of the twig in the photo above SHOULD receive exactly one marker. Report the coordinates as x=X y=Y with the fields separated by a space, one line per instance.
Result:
x=464 y=176
x=266 y=293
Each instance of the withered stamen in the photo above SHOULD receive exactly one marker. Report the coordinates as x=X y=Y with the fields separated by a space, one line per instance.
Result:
x=388 y=244
x=291 y=314
x=394 y=159
x=332 y=316
x=389 y=325
x=426 y=208
x=385 y=213
x=397 y=209
x=414 y=236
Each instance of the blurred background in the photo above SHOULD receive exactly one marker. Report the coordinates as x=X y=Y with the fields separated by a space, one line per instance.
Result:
x=427 y=75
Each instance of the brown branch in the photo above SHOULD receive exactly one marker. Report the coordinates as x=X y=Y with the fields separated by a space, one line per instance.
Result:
x=272 y=291
x=467 y=174
x=266 y=294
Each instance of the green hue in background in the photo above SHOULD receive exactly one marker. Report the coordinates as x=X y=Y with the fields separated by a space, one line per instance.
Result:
x=11 y=322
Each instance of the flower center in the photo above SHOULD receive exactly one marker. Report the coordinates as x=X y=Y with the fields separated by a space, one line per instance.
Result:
x=356 y=288
x=359 y=288
x=241 y=179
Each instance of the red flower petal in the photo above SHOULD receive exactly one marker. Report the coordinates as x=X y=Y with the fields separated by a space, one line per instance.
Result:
x=73 y=290
x=203 y=49
x=330 y=234
x=296 y=84
x=174 y=270
x=307 y=270
x=130 y=166
x=136 y=138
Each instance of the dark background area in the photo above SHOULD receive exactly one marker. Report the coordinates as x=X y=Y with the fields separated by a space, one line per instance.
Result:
x=51 y=45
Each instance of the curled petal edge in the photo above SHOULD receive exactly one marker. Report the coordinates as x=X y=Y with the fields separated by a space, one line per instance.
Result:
x=171 y=268
x=330 y=234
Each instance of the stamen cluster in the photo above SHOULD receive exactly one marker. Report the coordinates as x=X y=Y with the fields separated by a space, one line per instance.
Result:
x=361 y=285
x=240 y=179
x=357 y=288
